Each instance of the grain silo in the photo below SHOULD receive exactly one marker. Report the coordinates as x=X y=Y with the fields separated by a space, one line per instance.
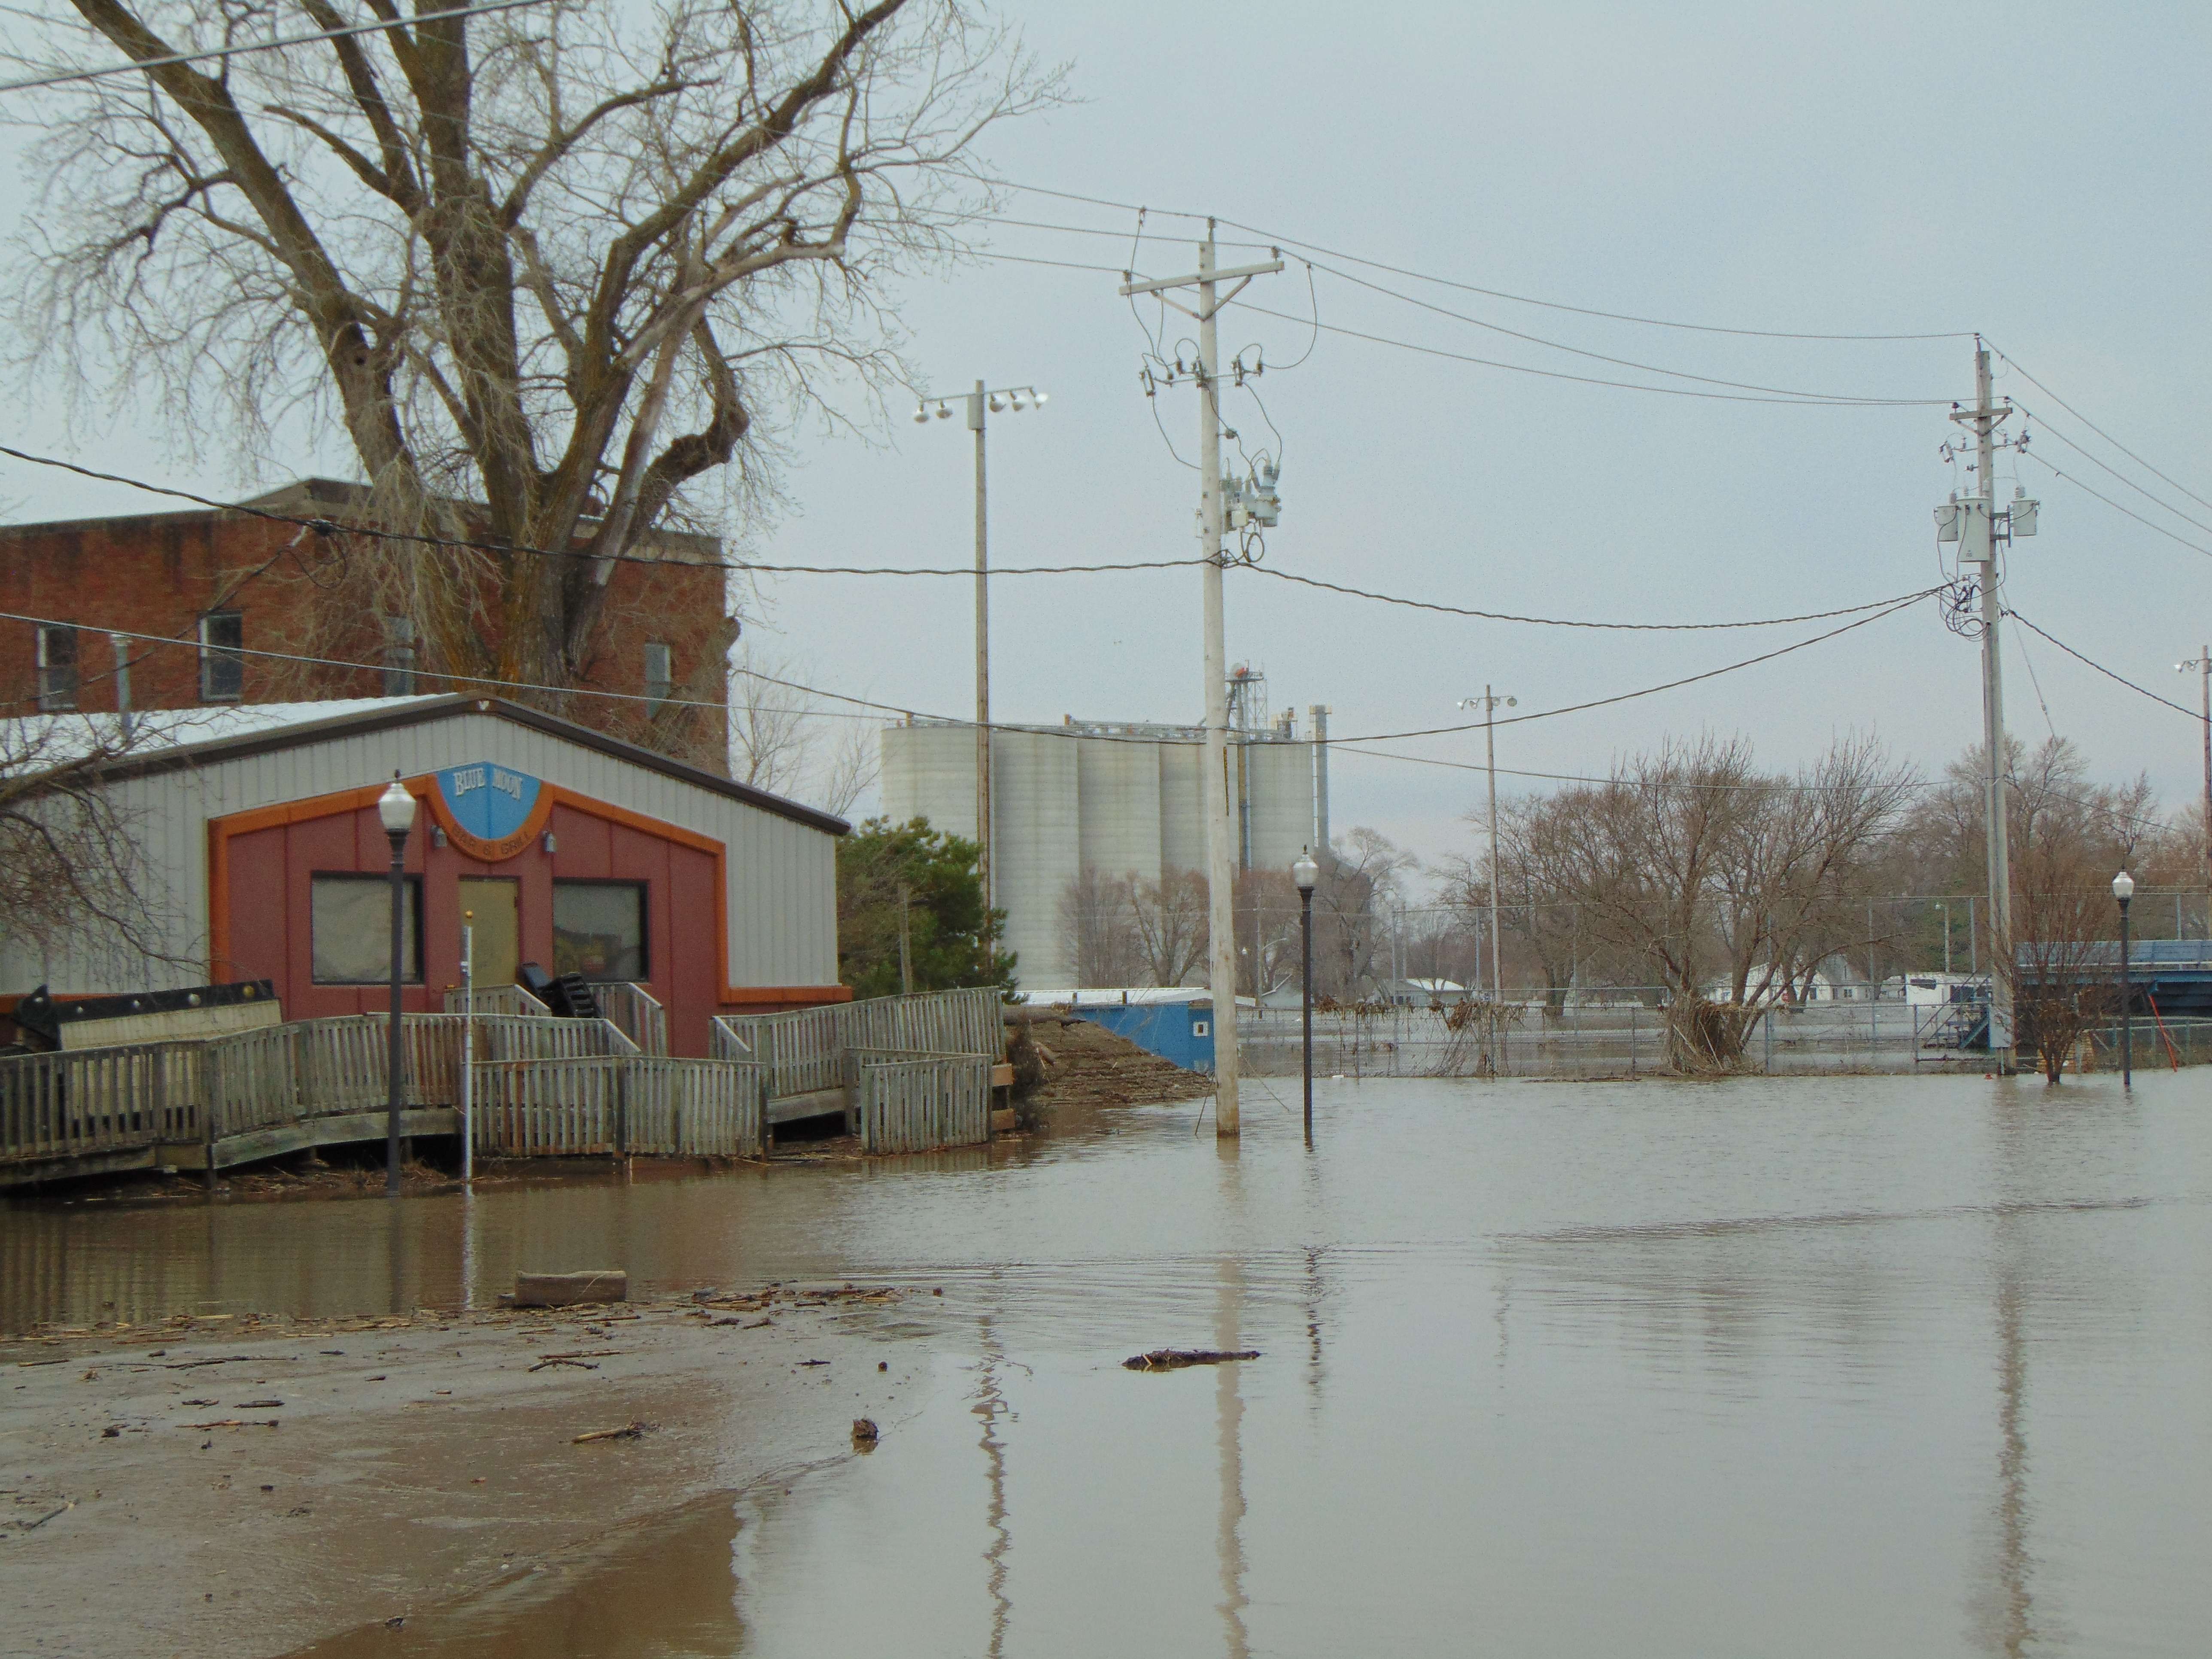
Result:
x=1118 y=797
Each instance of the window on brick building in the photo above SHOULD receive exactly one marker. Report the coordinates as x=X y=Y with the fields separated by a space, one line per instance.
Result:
x=222 y=662
x=57 y=680
x=398 y=657
x=660 y=670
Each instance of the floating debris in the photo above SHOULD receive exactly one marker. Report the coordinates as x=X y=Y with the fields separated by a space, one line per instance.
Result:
x=1173 y=1359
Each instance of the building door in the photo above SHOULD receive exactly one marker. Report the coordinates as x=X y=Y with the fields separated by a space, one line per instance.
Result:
x=498 y=937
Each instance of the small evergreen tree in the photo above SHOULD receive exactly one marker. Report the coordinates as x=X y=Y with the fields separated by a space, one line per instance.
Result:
x=952 y=939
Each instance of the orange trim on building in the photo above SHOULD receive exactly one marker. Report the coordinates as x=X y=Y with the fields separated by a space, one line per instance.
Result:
x=222 y=830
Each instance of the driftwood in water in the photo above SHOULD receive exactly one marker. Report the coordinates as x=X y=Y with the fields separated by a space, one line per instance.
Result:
x=569 y=1289
x=1173 y=1359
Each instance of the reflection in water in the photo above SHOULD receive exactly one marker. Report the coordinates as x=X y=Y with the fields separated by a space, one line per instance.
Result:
x=1229 y=1437
x=1748 y=1375
x=2016 y=1629
x=990 y=1404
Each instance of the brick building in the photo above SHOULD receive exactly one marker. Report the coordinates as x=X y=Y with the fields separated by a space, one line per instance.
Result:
x=225 y=584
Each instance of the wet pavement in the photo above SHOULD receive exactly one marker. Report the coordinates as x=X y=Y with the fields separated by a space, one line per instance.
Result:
x=1808 y=1366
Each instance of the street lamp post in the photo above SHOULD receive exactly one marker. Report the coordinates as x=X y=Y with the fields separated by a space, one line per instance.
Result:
x=396 y=807
x=1305 y=872
x=982 y=401
x=2123 y=889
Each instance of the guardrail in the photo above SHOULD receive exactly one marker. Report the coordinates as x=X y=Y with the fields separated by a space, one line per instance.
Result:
x=637 y=1013
x=498 y=1000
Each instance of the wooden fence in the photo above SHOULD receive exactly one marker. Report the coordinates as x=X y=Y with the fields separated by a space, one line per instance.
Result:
x=78 y=1103
x=620 y=1105
x=914 y=1102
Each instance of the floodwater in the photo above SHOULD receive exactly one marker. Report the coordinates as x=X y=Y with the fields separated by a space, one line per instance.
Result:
x=1836 y=1366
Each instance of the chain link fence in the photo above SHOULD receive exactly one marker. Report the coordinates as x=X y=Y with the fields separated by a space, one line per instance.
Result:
x=1625 y=1035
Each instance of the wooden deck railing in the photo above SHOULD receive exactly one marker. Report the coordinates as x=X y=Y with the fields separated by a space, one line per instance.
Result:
x=84 y=1101
x=802 y=1047
x=543 y=1085
x=637 y=1013
x=497 y=1000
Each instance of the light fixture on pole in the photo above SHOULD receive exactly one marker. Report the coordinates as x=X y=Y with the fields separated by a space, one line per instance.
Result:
x=396 y=808
x=1305 y=872
x=2123 y=889
x=1489 y=705
x=980 y=401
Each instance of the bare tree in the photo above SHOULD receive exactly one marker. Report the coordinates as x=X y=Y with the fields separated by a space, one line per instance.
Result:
x=1729 y=883
x=767 y=722
x=570 y=262
x=1266 y=908
x=1098 y=924
x=1360 y=878
x=1170 y=919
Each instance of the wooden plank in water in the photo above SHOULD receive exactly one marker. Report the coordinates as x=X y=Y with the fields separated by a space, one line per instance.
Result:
x=570 y=1290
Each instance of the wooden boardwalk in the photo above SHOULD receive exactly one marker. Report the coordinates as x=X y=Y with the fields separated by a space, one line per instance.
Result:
x=909 y=1073
x=540 y=1086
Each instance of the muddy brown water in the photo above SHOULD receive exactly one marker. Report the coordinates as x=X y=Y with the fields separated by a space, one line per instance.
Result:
x=1850 y=1366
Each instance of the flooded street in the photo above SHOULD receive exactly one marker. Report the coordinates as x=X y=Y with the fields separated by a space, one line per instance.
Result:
x=1816 y=1366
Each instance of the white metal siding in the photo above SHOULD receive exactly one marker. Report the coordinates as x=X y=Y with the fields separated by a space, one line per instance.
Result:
x=781 y=898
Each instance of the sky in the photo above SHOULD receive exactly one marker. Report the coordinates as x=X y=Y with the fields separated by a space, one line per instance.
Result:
x=2034 y=172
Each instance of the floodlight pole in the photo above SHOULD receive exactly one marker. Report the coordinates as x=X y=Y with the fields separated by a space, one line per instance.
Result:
x=1220 y=827
x=982 y=661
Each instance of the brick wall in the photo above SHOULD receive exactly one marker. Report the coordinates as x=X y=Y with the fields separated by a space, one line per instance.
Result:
x=161 y=574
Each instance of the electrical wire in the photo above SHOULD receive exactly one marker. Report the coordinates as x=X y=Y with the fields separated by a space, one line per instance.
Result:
x=1916 y=787
x=1284 y=240
x=138 y=64
x=1647 y=691
x=338 y=526
x=1589 y=379
x=2091 y=662
x=1561 y=622
x=1600 y=357
x=2097 y=461
x=2030 y=377
x=2145 y=523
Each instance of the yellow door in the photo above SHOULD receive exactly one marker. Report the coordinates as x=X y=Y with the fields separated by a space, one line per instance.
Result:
x=498 y=930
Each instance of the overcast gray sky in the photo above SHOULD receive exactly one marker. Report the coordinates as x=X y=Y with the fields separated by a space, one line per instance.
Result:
x=2033 y=171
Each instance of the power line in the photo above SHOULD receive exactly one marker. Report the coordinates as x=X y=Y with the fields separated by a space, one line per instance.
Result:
x=1597 y=356
x=2092 y=426
x=2096 y=461
x=1589 y=379
x=1627 y=696
x=1558 y=622
x=324 y=526
x=338 y=527
x=138 y=64
x=2145 y=523
x=1776 y=786
x=2090 y=662
x=1283 y=240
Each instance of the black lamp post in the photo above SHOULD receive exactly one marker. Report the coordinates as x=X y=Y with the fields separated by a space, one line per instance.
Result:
x=2123 y=889
x=1306 y=872
x=396 y=807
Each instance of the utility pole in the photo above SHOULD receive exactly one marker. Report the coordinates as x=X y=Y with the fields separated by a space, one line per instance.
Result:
x=1490 y=705
x=2203 y=665
x=1978 y=525
x=982 y=401
x=1220 y=827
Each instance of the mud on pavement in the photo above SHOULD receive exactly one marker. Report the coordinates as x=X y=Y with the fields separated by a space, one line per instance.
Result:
x=245 y=1486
